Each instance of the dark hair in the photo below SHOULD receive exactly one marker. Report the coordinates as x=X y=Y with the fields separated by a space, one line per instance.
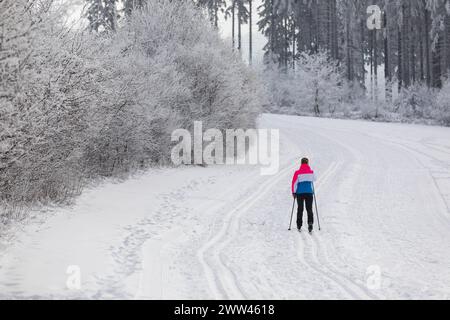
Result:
x=305 y=161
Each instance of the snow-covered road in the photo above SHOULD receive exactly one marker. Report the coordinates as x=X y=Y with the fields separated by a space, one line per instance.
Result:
x=221 y=232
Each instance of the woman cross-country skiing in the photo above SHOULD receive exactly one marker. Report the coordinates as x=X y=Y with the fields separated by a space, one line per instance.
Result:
x=303 y=190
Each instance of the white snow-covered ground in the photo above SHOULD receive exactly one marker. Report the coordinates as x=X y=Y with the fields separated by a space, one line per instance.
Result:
x=221 y=232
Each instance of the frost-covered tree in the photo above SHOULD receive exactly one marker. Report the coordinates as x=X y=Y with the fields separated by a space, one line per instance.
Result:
x=214 y=8
x=43 y=113
x=76 y=105
x=323 y=85
x=270 y=24
x=413 y=44
x=130 y=5
x=102 y=14
x=317 y=87
x=110 y=15
x=94 y=14
x=443 y=102
x=238 y=10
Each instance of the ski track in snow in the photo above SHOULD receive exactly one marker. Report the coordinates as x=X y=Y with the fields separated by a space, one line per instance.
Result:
x=318 y=261
x=221 y=232
x=221 y=278
x=353 y=289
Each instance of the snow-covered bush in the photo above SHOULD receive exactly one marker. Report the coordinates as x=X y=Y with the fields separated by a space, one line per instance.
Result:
x=323 y=86
x=282 y=90
x=78 y=105
x=43 y=106
x=443 y=104
x=159 y=77
x=415 y=102
x=315 y=87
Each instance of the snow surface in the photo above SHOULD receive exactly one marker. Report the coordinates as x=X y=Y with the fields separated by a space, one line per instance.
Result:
x=221 y=232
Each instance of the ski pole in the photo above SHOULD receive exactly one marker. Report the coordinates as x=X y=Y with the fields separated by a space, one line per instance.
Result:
x=292 y=214
x=315 y=202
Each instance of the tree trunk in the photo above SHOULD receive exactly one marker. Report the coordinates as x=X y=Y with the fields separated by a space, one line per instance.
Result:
x=318 y=37
x=427 y=45
x=335 y=43
x=349 y=44
x=371 y=56
x=413 y=55
x=446 y=49
x=239 y=26
x=400 y=61
x=294 y=42
x=233 y=22
x=375 y=62
x=250 y=41
x=363 y=61
x=405 y=45
x=387 y=67
x=437 y=67
x=329 y=30
x=421 y=55
x=316 y=102
x=216 y=17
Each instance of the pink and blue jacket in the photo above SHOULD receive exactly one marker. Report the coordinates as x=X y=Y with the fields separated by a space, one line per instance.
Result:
x=302 y=182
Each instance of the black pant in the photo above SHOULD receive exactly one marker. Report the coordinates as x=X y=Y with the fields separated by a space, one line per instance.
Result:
x=306 y=199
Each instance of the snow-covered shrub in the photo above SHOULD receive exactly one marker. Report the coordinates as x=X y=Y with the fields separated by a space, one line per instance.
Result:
x=415 y=102
x=76 y=106
x=443 y=104
x=318 y=87
x=163 y=78
x=42 y=110
x=322 y=85
x=281 y=90
x=315 y=87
